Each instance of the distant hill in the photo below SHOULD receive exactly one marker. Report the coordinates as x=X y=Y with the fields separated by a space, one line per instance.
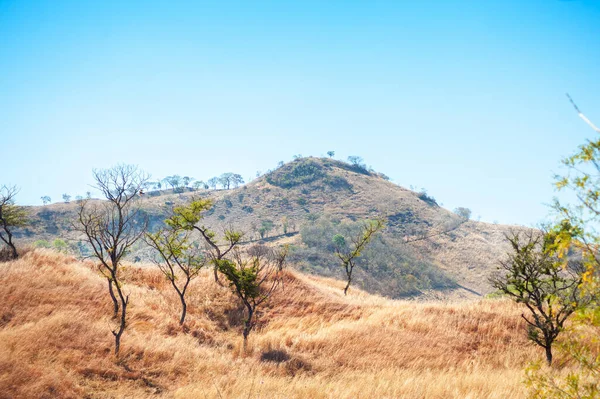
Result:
x=305 y=202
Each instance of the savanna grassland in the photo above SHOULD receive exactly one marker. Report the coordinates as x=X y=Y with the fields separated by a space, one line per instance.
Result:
x=311 y=341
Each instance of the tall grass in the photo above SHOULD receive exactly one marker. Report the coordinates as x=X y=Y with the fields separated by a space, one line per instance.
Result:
x=55 y=340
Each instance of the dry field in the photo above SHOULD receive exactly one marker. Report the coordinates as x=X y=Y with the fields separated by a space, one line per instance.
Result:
x=312 y=343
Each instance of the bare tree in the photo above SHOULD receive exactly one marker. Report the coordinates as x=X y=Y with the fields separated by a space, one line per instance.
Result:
x=348 y=252
x=111 y=227
x=533 y=275
x=254 y=276
x=11 y=216
x=181 y=262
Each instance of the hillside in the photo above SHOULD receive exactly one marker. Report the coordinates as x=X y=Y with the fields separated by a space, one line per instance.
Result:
x=312 y=341
x=316 y=197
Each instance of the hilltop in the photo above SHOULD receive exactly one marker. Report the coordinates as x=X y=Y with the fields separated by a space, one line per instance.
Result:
x=304 y=202
x=311 y=342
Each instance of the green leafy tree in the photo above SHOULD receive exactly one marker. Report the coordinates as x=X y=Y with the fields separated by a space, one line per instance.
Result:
x=188 y=218
x=576 y=231
x=237 y=180
x=174 y=181
x=213 y=182
x=355 y=160
x=66 y=198
x=330 y=154
x=254 y=276
x=46 y=199
x=230 y=179
x=199 y=184
x=265 y=227
x=533 y=275
x=464 y=213
x=180 y=261
x=348 y=250
x=11 y=216
x=111 y=228
x=285 y=224
x=187 y=180
x=60 y=245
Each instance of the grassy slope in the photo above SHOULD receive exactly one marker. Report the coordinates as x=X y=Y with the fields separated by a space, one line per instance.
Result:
x=55 y=341
x=467 y=254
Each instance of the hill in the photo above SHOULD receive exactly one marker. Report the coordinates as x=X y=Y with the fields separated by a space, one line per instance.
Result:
x=312 y=341
x=305 y=202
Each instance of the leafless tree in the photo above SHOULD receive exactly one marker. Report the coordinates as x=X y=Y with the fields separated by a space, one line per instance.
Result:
x=111 y=227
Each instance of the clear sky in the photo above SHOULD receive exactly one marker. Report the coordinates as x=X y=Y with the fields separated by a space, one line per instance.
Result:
x=463 y=98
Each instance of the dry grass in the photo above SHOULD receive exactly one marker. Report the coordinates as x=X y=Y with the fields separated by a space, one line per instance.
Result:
x=55 y=341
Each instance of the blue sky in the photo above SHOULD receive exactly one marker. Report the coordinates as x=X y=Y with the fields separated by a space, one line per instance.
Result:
x=463 y=98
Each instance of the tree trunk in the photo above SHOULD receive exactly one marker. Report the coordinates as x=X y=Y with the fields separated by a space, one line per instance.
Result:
x=347 y=286
x=247 y=326
x=183 y=310
x=549 y=354
x=114 y=299
x=11 y=244
x=13 y=249
x=122 y=326
x=216 y=273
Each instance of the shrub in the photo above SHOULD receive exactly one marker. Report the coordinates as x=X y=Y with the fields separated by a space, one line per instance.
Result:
x=427 y=198
x=302 y=172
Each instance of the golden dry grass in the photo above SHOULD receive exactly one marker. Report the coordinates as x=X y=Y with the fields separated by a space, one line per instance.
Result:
x=55 y=341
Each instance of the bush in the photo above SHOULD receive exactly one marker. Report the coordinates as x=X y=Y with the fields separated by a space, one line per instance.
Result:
x=427 y=198
x=298 y=173
x=304 y=172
